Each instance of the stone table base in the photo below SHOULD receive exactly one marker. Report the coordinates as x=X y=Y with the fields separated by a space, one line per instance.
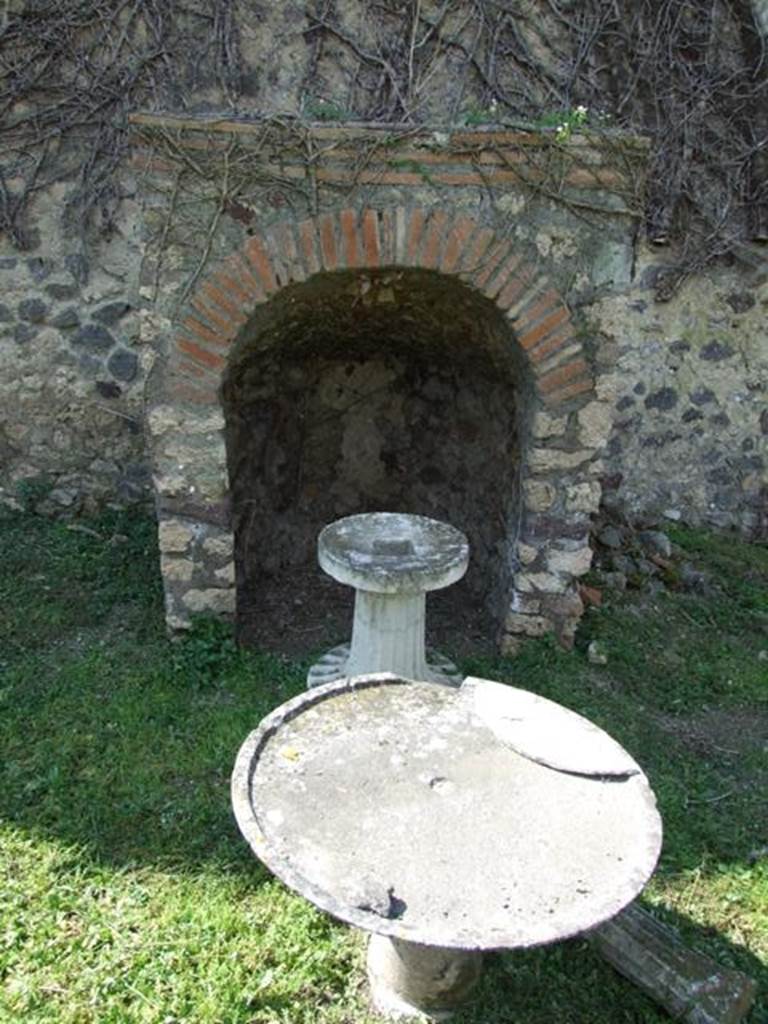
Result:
x=392 y=560
x=334 y=665
x=427 y=982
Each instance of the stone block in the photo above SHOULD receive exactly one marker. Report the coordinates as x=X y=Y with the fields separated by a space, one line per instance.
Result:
x=174 y=536
x=608 y=387
x=176 y=623
x=716 y=351
x=526 y=553
x=61 y=292
x=163 y=418
x=169 y=485
x=205 y=423
x=615 y=580
x=528 y=625
x=595 y=422
x=39 y=268
x=557 y=528
x=219 y=547
x=111 y=313
x=539 y=495
x=545 y=425
x=583 y=497
x=33 y=310
x=214 y=600
x=123 y=365
x=524 y=603
x=185 y=506
x=611 y=537
x=567 y=606
x=656 y=542
x=574 y=562
x=94 y=337
x=542 y=460
x=664 y=399
x=546 y=582
x=179 y=569
x=226 y=574
x=566 y=611
x=67 y=320
x=78 y=267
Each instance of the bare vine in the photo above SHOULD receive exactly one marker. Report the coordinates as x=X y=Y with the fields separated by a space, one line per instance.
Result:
x=692 y=75
x=70 y=73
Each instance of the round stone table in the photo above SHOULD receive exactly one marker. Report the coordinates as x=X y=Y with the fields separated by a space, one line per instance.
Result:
x=392 y=560
x=445 y=821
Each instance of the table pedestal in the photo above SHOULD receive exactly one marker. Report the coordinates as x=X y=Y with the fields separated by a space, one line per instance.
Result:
x=411 y=980
x=387 y=636
x=392 y=560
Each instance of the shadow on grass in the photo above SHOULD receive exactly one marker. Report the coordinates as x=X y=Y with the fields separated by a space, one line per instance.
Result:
x=121 y=753
x=569 y=983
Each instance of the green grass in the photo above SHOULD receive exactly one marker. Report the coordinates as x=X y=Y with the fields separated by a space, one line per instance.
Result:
x=127 y=894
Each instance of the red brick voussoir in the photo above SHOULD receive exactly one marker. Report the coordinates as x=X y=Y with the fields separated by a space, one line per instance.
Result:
x=454 y=244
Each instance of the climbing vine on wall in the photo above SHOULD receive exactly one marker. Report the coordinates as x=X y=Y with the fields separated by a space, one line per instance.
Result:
x=71 y=72
x=690 y=74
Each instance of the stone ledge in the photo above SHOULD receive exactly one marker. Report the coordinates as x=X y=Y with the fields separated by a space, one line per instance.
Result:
x=406 y=155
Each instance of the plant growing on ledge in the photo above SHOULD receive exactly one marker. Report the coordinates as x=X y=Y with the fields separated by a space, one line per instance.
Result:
x=318 y=109
x=571 y=120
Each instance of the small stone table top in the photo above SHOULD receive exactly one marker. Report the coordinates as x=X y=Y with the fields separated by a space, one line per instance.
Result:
x=393 y=553
x=482 y=817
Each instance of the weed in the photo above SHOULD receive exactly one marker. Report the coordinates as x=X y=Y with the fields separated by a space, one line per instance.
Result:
x=33 y=490
x=318 y=109
x=206 y=651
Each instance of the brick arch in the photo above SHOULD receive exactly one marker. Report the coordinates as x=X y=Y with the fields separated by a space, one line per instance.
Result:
x=290 y=252
x=559 y=469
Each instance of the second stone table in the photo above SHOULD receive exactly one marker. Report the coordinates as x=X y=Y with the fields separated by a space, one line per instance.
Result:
x=445 y=822
x=391 y=559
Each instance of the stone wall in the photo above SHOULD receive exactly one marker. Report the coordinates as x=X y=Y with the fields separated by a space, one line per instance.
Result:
x=71 y=385
x=679 y=386
x=689 y=437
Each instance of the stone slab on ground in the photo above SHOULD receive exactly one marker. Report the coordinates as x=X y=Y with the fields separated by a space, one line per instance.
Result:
x=689 y=985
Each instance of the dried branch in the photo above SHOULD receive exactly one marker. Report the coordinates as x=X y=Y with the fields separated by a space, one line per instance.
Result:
x=691 y=74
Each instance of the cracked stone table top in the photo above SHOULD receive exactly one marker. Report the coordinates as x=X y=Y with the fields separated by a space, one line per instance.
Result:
x=475 y=818
x=393 y=552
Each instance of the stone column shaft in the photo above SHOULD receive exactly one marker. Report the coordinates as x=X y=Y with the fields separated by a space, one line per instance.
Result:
x=388 y=635
x=409 y=979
